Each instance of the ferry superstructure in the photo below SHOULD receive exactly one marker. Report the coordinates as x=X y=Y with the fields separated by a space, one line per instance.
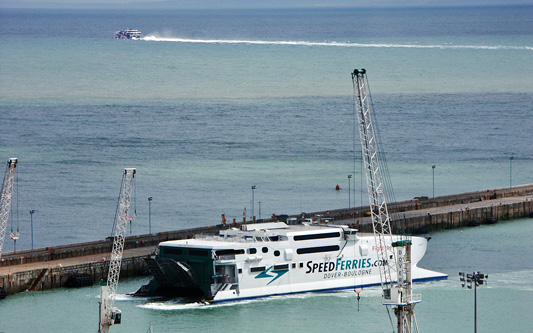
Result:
x=265 y=259
x=128 y=34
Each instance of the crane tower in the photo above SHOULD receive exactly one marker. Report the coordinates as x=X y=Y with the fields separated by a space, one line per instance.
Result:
x=395 y=253
x=109 y=314
x=5 y=199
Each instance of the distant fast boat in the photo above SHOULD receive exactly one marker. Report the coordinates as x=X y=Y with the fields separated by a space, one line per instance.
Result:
x=128 y=34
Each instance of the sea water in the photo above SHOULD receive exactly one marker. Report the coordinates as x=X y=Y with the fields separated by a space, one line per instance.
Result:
x=503 y=303
x=210 y=103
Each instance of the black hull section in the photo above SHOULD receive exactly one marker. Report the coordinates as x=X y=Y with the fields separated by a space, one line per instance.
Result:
x=152 y=290
x=172 y=279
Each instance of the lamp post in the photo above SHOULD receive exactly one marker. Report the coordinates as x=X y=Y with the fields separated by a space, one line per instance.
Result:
x=477 y=279
x=31 y=224
x=253 y=203
x=349 y=192
x=150 y=215
x=433 y=167
x=511 y=173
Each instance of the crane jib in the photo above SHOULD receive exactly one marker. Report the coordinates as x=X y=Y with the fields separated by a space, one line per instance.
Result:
x=395 y=274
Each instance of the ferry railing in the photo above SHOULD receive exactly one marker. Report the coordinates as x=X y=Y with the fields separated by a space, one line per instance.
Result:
x=236 y=237
x=415 y=298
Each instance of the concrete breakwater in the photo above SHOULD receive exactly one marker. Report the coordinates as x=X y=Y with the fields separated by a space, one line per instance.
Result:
x=348 y=216
x=51 y=267
x=58 y=276
x=396 y=209
x=51 y=253
x=460 y=217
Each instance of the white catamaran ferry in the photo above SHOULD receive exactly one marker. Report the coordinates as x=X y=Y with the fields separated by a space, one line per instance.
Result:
x=265 y=259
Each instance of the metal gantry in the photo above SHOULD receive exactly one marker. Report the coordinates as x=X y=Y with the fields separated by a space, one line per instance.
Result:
x=395 y=273
x=109 y=314
x=6 y=199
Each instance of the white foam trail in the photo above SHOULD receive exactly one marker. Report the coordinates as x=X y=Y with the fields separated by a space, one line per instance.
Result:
x=170 y=306
x=334 y=44
x=520 y=280
x=124 y=297
x=177 y=305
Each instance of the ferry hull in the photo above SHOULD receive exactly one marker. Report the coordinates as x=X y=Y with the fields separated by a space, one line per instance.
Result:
x=293 y=262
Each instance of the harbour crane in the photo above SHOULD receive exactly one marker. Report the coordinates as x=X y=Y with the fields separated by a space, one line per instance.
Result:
x=109 y=314
x=395 y=253
x=5 y=200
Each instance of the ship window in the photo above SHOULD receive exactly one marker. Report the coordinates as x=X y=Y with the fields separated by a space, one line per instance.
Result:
x=264 y=249
x=307 y=250
x=229 y=252
x=200 y=253
x=301 y=265
x=172 y=250
x=278 y=267
x=240 y=270
x=257 y=269
x=317 y=236
x=252 y=250
x=293 y=265
x=276 y=253
x=273 y=238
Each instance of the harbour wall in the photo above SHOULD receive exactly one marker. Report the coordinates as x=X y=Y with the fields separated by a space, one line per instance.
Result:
x=396 y=208
x=421 y=203
x=456 y=219
x=102 y=246
x=56 y=276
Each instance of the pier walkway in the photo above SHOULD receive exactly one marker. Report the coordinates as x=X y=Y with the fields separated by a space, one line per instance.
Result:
x=465 y=208
x=73 y=261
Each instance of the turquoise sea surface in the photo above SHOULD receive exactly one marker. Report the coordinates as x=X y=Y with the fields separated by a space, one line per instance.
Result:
x=210 y=103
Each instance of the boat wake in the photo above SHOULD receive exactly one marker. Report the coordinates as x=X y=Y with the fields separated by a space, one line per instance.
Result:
x=153 y=38
x=518 y=280
x=123 y=297
x=513 y=280
x=177 y=305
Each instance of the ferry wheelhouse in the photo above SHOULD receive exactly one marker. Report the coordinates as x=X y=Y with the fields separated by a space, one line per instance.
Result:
x=275 y=258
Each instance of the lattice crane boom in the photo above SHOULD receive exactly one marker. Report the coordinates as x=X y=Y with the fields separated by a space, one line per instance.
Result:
x=6 y=198
x=109 y=314
x=374 y=177
x=396 y=280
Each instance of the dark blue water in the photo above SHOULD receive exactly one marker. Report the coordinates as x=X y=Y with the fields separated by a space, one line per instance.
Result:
x=315 y=24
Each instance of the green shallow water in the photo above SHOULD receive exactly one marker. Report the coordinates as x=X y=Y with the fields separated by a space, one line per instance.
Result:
x=503 y=304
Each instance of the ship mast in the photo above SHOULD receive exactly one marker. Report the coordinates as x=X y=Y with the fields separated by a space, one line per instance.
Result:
x=395 y=256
